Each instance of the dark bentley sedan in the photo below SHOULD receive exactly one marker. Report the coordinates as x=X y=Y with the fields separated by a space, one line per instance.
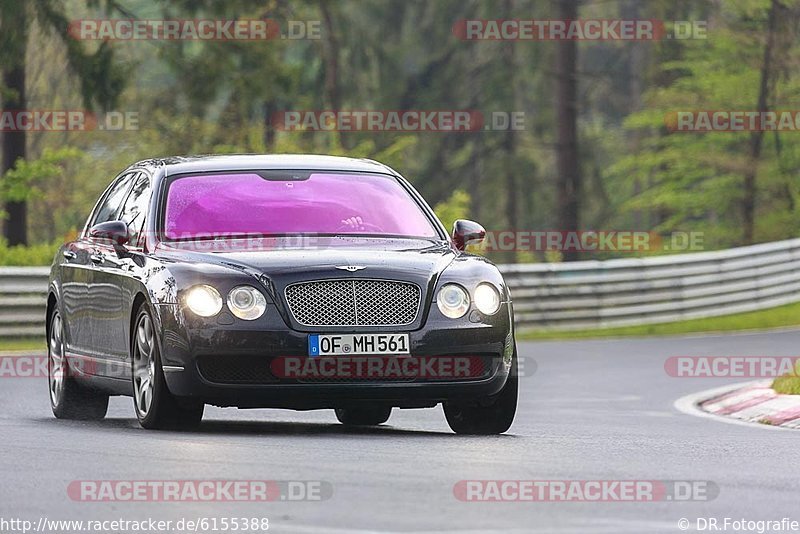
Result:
x=300 y=282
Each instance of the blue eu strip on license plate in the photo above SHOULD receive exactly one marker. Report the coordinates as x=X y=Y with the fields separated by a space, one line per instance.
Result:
x=357 y=344
x=313 y=345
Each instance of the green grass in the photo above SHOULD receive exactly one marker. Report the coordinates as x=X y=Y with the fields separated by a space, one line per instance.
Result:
x=788 y=384
x=781 y=316
x=22 y=344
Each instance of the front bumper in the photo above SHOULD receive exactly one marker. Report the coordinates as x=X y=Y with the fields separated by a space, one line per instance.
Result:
x=189 y=344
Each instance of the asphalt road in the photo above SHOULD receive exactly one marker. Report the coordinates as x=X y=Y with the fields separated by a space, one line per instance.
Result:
x=594 y=410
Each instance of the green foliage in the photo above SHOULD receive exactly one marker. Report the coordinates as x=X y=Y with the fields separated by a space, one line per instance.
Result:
x=688 y=181
x=59 y=189
x=220 y=97
x=28 y=179
x=454 y=208
x=31 y=256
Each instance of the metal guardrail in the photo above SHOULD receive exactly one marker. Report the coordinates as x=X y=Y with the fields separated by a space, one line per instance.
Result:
x=23 y=301
x=585 y=294
x=592 y=294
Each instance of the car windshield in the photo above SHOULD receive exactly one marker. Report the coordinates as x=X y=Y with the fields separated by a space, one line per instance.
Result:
x=268 y=203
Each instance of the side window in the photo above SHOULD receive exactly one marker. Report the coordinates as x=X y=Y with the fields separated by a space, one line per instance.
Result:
x=135 y=209
x=110 y=205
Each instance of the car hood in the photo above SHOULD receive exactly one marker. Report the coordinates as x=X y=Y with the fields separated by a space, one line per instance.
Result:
x=287 y=260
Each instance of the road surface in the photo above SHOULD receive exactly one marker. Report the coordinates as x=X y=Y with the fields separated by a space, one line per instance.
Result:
x=594 y=410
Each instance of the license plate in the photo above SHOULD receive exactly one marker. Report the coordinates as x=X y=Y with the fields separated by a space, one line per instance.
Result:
x=349 y=344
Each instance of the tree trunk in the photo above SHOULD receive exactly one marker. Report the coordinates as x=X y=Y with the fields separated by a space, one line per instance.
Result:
x=16 y=224
x=567 y=160
x=475 y=168
x=330 y=54
x=756 y=137
x=269 y=108
x=636 y=66
x=509 y=142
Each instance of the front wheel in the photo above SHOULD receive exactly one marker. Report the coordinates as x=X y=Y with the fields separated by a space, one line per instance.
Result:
x=494 y=416
x=68 y=399
x=364 y=416
x=156 y=408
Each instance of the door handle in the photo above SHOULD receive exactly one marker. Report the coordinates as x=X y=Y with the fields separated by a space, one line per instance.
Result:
x=69 y=255
x=97 y=258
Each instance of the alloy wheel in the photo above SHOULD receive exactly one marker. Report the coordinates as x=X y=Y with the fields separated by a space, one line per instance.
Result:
x=144 y=365
x=56 y=361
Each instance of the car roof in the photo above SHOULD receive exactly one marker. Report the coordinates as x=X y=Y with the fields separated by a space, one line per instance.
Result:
x=202 y=163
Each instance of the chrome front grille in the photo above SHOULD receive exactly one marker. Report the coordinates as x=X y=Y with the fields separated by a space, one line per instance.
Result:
x=353 y=302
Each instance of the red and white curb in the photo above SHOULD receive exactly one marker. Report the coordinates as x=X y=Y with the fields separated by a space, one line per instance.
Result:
x=753 y=402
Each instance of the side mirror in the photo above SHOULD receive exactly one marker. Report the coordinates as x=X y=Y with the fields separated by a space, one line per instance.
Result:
x=466 y=232
x=114 y=231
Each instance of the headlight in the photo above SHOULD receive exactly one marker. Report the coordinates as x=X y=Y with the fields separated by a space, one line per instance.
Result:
x=203 y=301
x=247 y=303
x=453 y=301
x=487 y=299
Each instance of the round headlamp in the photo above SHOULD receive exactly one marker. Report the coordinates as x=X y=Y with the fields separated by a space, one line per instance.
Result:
x=247 y=303
x=487 y=299
x=203 y=301
x=453 y=301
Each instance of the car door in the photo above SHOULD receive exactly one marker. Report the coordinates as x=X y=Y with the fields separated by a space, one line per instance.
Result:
x=105 y=299
x=76 y=275
x=75 y=272
x=112 y=276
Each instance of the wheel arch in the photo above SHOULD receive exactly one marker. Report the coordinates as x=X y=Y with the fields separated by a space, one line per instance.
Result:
x=138 y=300
x=52 y=303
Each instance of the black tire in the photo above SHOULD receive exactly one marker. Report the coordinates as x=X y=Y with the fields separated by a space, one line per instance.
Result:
x=162 y=411
x=364 y=416
x=68 y=398
x=494 y=418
